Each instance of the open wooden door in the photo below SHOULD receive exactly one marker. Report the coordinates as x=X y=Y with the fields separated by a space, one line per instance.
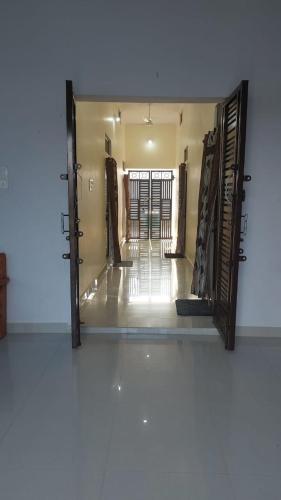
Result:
x=231 y=195
x=73 y=230
x=161 y=204
x=139 y=195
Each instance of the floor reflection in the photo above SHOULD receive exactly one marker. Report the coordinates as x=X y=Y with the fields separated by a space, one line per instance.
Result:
x=143 y=295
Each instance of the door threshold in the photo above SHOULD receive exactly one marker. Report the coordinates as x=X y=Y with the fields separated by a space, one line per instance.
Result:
x=88 y=329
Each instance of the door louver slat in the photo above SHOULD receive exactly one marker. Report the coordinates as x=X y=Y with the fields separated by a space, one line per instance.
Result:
x=230 y=205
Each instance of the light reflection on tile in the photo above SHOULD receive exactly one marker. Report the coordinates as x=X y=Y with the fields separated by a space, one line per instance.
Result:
x=144 y=295
x=190 y=422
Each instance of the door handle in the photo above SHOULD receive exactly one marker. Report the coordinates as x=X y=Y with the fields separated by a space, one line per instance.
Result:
x=62 y=216
x=245 y=224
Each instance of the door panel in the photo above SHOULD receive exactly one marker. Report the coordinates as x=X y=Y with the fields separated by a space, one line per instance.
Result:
x=156 y=192
x=73 y=236
x=139 y=194
x=134 y=212
x=150 y=213
x=144 y=191
x=161 y=204
x=166 y=204
x=233 y=137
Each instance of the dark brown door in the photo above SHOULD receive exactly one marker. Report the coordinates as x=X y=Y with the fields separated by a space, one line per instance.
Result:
x=139 y=195
x=161 y=204
x=73 y=233
x=229 y=253
x=144 y=201
x=150 y=213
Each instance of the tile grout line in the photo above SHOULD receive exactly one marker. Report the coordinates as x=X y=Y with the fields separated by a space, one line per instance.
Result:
x=108 y=451
x=30 y=394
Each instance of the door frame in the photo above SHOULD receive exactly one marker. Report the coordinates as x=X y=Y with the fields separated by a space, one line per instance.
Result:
x=151 y=180
x=139 y=99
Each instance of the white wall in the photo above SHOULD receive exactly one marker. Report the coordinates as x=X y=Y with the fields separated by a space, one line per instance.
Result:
x=198 y=119
x=193 y=50
x=141 y=154
x=92 y=125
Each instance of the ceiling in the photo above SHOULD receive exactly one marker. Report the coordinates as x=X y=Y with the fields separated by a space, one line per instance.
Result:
x=159 y=112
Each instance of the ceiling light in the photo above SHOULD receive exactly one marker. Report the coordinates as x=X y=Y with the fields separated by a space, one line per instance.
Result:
x=148 y=120
x=150 y=143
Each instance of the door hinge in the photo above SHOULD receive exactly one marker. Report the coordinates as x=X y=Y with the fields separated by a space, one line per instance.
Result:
x=242 y=258
x=77 y=166
x=64 y=177
x=66 y=256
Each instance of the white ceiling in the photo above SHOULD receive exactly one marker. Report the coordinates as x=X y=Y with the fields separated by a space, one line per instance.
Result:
x=159 y=112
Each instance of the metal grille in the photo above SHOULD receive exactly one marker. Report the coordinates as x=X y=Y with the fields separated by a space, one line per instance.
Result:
x=156 y=191
x=150 y=211
x=161 y=204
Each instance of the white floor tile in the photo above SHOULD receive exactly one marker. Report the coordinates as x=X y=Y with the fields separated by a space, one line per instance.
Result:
x=50 y=483
x=176 y=418
x=144 y=295
x=158 y=486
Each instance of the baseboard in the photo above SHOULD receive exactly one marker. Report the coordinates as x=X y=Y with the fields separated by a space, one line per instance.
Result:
x=122 y=242
x=95 y=283
x=248 y=331
x=189 y=261
x=38 y=328
x=258 y=331
x=241 y=331
x=148 y=330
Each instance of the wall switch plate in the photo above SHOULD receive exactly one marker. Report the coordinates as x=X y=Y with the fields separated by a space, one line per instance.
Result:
x=91 y=184
x=3 y=178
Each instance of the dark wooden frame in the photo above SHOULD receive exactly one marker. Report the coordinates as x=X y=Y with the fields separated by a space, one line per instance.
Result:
x=182 y=202
x=3 y=295
x=74 y=233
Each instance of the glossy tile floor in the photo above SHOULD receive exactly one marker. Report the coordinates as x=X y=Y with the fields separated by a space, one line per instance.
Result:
x=175 y=418
x=143 y=295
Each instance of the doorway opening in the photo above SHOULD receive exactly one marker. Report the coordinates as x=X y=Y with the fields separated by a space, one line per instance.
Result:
x=171 y=228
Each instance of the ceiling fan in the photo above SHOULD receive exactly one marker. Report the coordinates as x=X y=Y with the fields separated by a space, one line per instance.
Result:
x=148 y=121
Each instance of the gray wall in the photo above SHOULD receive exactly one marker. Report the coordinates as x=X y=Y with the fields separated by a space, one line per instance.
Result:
x=160 y=48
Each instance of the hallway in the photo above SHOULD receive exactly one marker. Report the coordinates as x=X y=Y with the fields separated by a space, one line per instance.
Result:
x=143 y=296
